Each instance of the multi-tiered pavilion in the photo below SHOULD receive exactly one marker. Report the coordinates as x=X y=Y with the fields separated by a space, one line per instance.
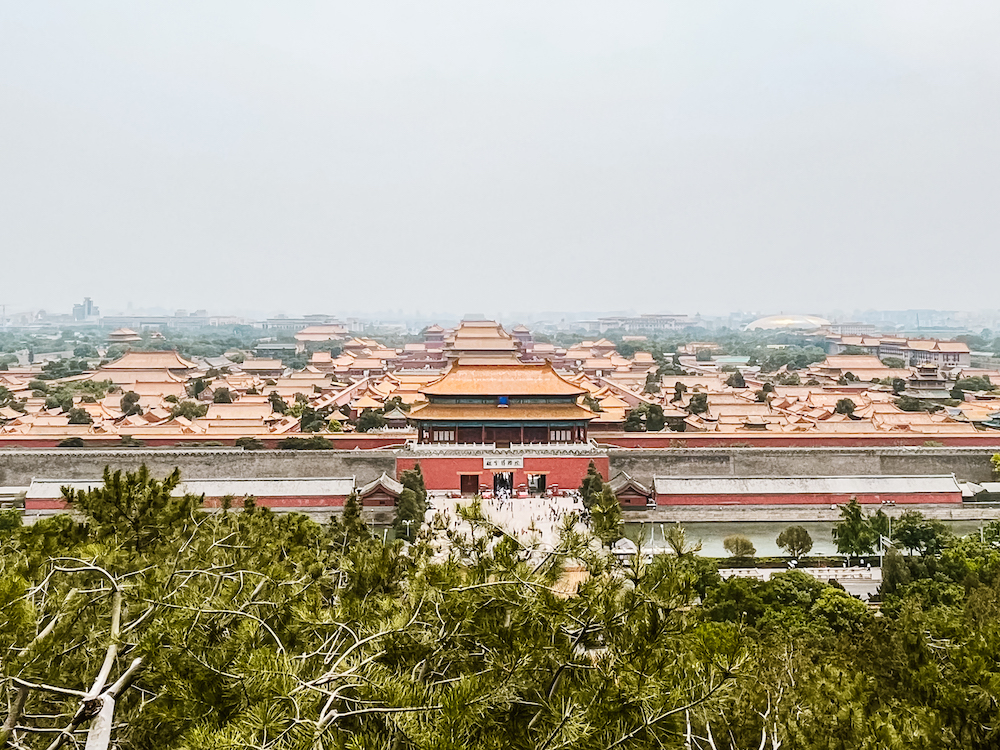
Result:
x=504 y=404
x=501 y=425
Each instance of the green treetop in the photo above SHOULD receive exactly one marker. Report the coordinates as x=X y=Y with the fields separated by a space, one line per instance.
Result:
x=590 y=488
x=853 y=533
x=606 y=517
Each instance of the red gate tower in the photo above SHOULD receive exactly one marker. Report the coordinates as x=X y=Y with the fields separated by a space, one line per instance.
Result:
x=504 y=426
x=503 y=404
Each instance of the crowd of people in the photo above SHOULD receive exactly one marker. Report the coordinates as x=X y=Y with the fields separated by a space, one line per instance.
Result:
x=532 y=520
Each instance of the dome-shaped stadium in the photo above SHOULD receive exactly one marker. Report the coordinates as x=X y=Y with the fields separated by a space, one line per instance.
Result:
x=787 y=323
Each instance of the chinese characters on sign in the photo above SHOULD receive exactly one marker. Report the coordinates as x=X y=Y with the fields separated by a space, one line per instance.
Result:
x=495 y=462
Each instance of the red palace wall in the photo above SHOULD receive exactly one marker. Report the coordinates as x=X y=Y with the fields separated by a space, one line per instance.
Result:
x=443 y=472
x=818 y=499
x=310 y=501
x=785 y=440
x=364 y=441
x=632 y=500
x=44 y=505
x=340 y=441
x=313 y=501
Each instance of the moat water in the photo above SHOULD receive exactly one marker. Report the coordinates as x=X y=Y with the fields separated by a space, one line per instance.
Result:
x=762 y=534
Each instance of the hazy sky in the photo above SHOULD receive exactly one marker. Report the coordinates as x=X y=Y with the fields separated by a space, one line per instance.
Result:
x=658 y=156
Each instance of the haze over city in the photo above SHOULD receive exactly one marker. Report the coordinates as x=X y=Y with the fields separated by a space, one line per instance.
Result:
x=489 y=375
x=448 y=156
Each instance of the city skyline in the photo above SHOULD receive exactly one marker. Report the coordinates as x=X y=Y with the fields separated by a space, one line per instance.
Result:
x=99 y=311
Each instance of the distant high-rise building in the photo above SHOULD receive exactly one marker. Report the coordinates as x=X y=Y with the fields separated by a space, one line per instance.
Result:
x=852 y=329
x=647 y=323
x=86 y=310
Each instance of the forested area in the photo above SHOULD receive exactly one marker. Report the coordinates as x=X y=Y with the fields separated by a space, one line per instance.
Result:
x=153 y=624
x=209 y=341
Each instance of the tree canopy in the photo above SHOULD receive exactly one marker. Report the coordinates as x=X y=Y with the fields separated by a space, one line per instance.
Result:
x=593 y=483
x=150 y=623
x=412 y=504
x=845 y=406
x=739 y=546
x=795 y=540
x=698 y=404
x=918 y=534
x=853 y=534
x=371 y=419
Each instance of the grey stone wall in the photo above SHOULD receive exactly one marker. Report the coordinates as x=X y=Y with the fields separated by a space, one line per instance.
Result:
x=17 y=467
x=967 y=464
x=800 y=513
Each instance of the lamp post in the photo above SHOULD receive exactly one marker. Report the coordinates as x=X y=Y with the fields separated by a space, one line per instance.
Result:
x=407 y=523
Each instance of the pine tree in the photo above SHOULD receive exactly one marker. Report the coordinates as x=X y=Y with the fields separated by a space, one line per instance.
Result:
x=853 y=533
x=895 y=573
x=414 y=479
x=354 y=524
x=223 y=619
x=412 y=506
x=676 y=538
x=606 y=517
x=590 y=488
x=845 y=406
x=409 y=513
x=698 y=403
x=371 y=419
x=133 y=506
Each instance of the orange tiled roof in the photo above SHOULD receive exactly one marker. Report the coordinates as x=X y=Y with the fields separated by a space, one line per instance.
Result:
x=167 y=360
x=240 y=410
x=933 y=345
x=489 y=413
x=366 y=402
x=506 y=379
x=261 y=364
x=852 y=361
x=952 y=346
x=321 y=333
x=365 y=363
x=611 y=401
x=477 y=344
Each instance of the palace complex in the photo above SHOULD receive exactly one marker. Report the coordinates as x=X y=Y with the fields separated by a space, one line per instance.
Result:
x=487 y=410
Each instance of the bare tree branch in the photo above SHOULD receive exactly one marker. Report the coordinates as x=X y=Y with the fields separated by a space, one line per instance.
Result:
x=13 y=714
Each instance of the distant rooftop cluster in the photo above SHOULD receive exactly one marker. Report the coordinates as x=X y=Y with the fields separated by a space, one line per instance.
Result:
x=478 y=382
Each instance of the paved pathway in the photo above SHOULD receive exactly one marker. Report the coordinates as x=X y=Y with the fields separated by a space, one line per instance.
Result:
x=532 y=520
x=860 y=581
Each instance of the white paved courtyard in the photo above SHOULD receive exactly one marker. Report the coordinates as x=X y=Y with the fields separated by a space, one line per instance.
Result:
x=534 y=521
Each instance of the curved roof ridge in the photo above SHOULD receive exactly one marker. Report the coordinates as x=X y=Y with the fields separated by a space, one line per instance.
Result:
x=506 y=379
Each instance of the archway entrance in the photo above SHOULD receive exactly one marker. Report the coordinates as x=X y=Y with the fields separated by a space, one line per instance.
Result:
x=503 y=483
